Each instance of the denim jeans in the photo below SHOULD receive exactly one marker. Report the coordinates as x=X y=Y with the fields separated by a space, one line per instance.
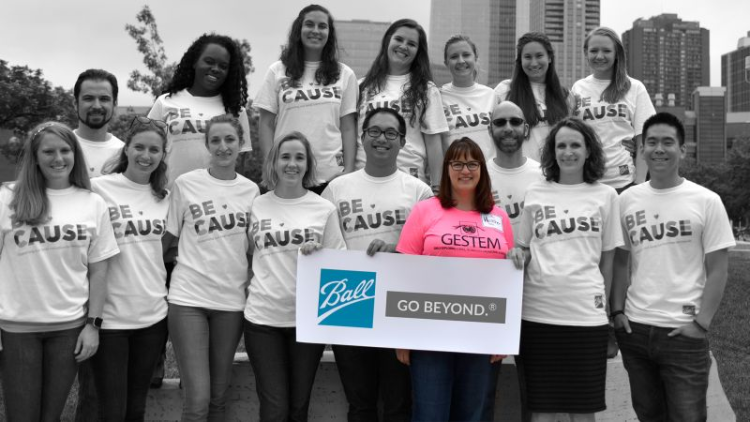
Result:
x=122 y=370
x=368 y=373
x=668 y=375
x=449 y=386
x=38 y=370
x=284 y=371
x=204 y=342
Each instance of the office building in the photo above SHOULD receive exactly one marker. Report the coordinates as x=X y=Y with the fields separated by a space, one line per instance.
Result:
x=359 y=43
x=735 y=76
x=669 y=55
x=566 y=23
x=491 y=24
x=709 y=104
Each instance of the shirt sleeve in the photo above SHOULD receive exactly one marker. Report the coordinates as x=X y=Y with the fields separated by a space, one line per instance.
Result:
x=425 y=192
x=156 y=112
x=175 y=213
x=612 y=236
x=245 y=124
x=332 y=236
x=643 y=109
x=434 y=117
x=411 y=241
x=350 y=90
x=502 y=90
x=507 y=230
x=523 y=236
x=268 y=95
x=717 y=233
x=103 y=245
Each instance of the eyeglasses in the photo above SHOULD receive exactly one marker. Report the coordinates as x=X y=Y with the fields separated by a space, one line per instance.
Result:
x=459 y=165
x=514 y=121
x=143 y=120
x=390 y=134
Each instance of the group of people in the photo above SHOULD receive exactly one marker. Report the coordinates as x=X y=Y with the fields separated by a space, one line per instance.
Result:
x=109 y=246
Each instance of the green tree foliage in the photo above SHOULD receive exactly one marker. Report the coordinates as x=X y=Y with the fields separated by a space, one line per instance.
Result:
x=27 y=99
x=150 y=44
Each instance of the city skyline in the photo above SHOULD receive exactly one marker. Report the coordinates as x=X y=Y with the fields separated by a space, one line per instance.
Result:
x=83 y=31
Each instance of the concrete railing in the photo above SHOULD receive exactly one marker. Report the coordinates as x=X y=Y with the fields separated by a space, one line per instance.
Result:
x=329 y=404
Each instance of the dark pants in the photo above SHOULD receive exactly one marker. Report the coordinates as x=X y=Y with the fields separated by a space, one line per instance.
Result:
x=668 y=375
x=369 y=373
x=449 y=386
x=284 y=371
x=38 y=370
x=122 y=370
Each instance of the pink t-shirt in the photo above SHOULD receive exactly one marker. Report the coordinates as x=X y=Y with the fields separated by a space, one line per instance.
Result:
x=436 y=231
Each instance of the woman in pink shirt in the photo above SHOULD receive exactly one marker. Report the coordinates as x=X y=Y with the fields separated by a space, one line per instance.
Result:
x=449 y=385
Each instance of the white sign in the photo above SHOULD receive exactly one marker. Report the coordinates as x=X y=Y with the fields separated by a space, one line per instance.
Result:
x=412 y=302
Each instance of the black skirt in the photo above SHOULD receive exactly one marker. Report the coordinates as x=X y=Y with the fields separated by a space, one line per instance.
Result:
x=563 y=368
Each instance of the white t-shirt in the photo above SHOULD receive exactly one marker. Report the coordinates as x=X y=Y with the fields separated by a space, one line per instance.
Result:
x=44 y=268
x=613 y=123
x=187 y=117
x=211 y=218
x=98 y=153
x=280 y=226
x=311 y=108
x=669 y=232
x=533 y=146
x=468 y=111
x=413 y=156
x=136 y=278
x=567 y=227
x=374 y=207
x=509 y=187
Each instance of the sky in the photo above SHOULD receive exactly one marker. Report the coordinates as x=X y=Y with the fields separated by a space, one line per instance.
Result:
x=63 y=38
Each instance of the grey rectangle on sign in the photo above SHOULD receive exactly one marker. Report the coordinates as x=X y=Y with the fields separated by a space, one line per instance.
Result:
x=445 y=307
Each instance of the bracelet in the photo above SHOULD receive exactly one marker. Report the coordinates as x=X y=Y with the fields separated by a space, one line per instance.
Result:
x=702 y=328
x=615 y=313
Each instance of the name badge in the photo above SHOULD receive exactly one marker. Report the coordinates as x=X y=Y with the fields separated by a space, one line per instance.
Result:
x=492 y=221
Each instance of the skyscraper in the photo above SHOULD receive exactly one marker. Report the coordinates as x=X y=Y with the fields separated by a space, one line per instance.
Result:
x=359 y=43
x=709 y=104
x=735 y=75
x=491 y=24
x=566 y=23
x=669 y=55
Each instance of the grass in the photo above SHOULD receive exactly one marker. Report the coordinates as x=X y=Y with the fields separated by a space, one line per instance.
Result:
x=730 y=343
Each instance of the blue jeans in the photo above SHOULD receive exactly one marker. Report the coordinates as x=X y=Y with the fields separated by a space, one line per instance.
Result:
x=204 y=342
x=449 y=386
x=284 y=371
x=38 y=370
x=122 y=370
x=668 y=375
x=369 y=373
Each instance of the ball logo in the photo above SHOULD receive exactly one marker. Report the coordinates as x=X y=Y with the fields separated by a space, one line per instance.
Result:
x=346 y=298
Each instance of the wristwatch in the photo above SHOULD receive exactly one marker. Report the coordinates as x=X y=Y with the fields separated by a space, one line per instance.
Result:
x=95 y=321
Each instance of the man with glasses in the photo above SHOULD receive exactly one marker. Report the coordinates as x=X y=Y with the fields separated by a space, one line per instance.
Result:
x=96 y=97
x=373 y=204
x=511 y=173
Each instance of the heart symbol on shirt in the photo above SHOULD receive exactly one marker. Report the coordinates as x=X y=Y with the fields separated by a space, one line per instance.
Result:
x=372 y=205
x=656 y=216
x=281 y=224
x=565 y=211
x=468 y=108
x=510 y=196
x=310 y=83
x=140 y=212
x=91 y=168
x=224 y=206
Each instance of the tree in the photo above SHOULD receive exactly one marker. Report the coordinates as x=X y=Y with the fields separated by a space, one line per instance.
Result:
x=27 y=99
x=151 y=46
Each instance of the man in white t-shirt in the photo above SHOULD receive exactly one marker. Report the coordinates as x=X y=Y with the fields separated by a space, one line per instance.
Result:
x=96 y=97
x=511 y=173
x=669 y=280
x=373 y=204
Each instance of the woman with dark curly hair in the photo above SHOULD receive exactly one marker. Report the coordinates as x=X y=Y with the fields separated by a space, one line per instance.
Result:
x=209 y=81
x=400 y=78
x=309 y=91
x=536 y=89
x=567 y=237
